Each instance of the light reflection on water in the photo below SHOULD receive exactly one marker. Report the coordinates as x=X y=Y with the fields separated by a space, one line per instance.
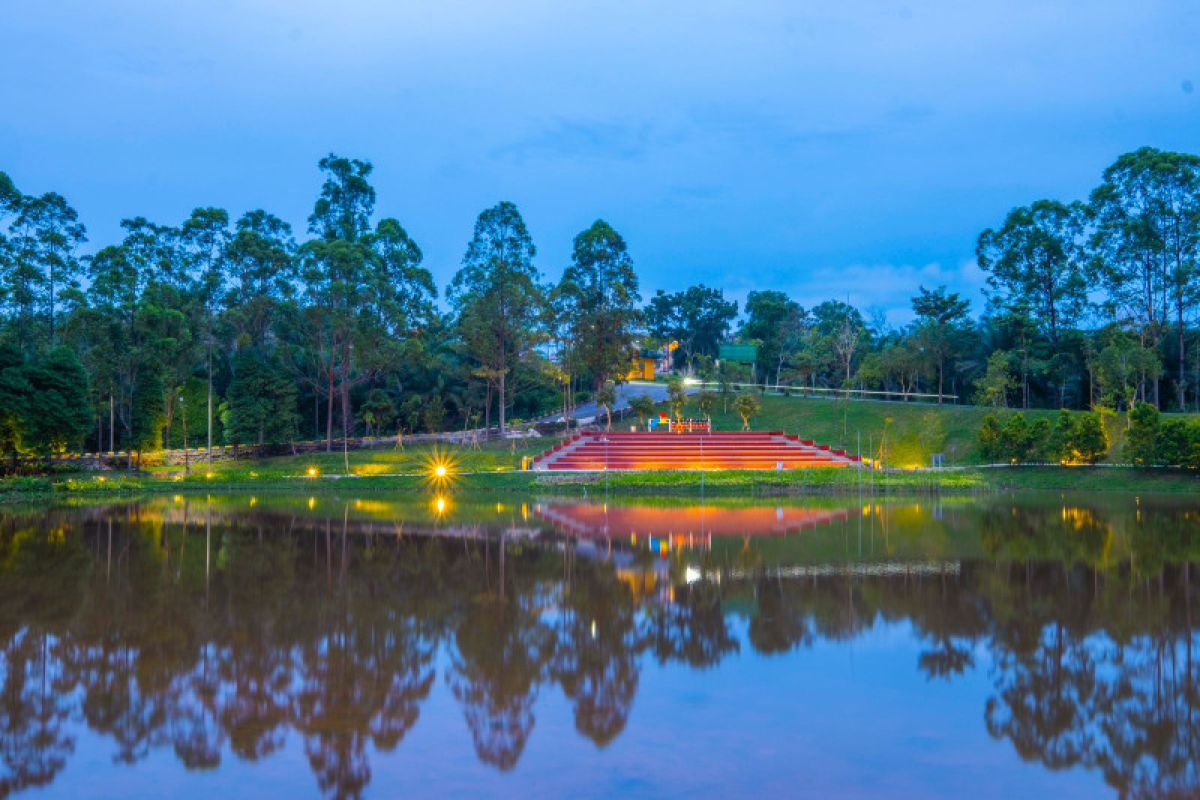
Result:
x=362 y=646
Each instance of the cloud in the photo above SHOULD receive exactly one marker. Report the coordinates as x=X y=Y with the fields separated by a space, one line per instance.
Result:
x=580 y=139
x=888 y=288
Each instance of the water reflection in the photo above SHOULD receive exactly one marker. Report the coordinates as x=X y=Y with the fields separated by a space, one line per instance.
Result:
x=226 y=629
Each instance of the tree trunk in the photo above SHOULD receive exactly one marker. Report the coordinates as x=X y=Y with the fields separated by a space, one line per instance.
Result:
x=503 y=398
x=187 y=463
x=329 y=415
x=1181 y=387
x=208 y=456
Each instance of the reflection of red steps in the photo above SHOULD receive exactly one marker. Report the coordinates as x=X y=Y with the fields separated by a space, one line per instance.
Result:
x=624 y=450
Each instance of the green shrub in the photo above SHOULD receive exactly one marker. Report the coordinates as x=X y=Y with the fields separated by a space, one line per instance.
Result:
x=1142 y=435
x=989 y=438
x=1089 y=440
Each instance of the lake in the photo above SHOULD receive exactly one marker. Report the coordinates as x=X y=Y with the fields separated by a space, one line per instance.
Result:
x=1000 y=646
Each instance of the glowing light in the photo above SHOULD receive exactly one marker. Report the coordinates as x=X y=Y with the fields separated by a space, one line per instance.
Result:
x=178 y=498
x=253 y=502
x=210 y=475
x=441 y=505
x=313 y=472
x=312 y=503
x=439 y=469
x=101 y=479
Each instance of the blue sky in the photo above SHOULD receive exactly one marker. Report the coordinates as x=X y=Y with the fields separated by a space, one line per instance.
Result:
x=846 y=150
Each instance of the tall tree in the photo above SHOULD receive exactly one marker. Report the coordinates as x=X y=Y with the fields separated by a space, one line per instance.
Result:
x=776 y=321
x=600 y=289
x=1038 y=257
x=334 y=268
x=498 y=297
x=58 y=415
x=49 y=235
x=840 y=333
x=1147 y=239
x=262 y=275
x=698 y=318
x=941 y=317
x=204 y=238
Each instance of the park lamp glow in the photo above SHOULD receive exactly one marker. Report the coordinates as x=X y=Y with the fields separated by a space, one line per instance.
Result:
x=441 y=505
x=439 y=469
x=312 y=472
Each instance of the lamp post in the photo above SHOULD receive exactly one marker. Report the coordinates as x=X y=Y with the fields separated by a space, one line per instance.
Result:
x=605 y=440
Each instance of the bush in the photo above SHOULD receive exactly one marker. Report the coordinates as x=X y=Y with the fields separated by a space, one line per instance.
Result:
x=1016 y=439
x=1072 y=438
x=1142 y=435
x=1058 y=443
x=1089 y=440
x=989 y=438
x=1177 y=443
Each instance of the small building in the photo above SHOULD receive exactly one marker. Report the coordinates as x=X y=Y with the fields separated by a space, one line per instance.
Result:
x=644 y=364
x=739 y=353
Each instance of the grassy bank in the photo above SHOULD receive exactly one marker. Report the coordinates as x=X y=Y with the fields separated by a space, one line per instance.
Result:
x=912 y=431
x=496 y=466
x=744 y=484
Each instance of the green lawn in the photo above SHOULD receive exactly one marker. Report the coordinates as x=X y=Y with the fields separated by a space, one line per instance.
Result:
x=913 y=430
x=909 y=430
x=416 y=459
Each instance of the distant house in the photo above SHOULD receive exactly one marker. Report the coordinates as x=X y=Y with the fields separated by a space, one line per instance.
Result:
x=644 y=364
x=739 y=353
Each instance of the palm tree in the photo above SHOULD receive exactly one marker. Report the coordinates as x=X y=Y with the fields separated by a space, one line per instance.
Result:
x=747 y=405
x=606 y=398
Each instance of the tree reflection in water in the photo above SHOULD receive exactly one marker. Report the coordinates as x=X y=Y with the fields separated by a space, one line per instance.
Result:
x=157 y=631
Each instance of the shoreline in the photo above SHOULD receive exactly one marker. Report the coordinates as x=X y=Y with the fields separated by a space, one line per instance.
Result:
x=955 y=481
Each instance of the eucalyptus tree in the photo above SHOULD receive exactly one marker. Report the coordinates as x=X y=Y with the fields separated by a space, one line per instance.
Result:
x=131 y=331
x=841 y=333
x=10 y=200
x=46 y=254
x=1147 y=239
x=261 y=255
x=365 y=288
x=333 y=269
x=1039 y=257
x=600 y=292
x=941 y=319
x=498 y=297
x=204 y=241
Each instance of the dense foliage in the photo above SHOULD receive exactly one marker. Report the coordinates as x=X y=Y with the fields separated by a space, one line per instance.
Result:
x=227 y=330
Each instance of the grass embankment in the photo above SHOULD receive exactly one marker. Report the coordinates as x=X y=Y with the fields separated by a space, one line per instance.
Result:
x=910 y=429
x=908 y=432
x=912 y=432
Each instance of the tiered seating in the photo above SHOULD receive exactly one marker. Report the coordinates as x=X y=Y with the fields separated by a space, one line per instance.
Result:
x=625 y=450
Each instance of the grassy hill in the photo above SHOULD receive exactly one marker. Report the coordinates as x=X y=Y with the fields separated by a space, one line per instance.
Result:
x=911 y=431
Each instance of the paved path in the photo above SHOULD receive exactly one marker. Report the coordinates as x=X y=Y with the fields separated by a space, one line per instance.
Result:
x=625 y=393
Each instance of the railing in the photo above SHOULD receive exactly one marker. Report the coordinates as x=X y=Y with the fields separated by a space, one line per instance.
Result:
x=789 y=390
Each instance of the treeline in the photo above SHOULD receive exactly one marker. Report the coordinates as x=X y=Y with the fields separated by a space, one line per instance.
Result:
x=230 y=330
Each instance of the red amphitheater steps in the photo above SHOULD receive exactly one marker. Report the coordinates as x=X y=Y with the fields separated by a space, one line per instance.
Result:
x=625 y=450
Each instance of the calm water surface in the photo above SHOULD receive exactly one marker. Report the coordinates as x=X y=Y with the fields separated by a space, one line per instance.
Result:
x=233 y=646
